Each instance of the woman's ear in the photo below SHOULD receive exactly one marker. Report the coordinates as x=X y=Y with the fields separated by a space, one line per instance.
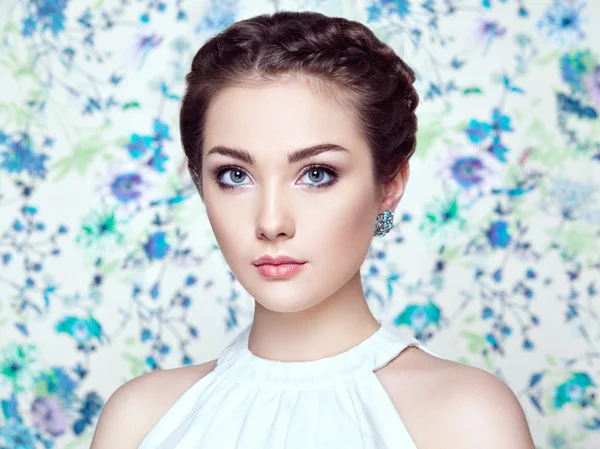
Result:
x=393 y=191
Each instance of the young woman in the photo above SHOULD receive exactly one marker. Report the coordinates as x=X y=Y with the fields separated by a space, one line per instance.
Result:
x=298 y=129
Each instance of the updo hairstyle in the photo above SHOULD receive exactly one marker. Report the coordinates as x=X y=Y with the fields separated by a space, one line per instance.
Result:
x=340 y=57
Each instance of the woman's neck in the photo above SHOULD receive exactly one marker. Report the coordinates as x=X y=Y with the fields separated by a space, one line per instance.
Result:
x=331 y=327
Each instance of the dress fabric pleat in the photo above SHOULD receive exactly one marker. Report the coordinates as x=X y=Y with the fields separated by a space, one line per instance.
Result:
x=248 y=402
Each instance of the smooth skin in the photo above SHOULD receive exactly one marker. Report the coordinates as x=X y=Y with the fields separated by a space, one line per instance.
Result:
x=275 y=207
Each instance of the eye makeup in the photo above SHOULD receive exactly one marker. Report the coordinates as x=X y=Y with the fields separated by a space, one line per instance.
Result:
x=219 y=171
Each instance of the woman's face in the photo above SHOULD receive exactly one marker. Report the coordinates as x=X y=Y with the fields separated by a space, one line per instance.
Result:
x=322 y=215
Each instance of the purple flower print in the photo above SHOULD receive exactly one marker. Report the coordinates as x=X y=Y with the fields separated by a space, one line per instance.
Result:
x=49 y=415
x=592 y=83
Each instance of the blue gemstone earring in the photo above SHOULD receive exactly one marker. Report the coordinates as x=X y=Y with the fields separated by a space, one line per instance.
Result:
x=383 y=224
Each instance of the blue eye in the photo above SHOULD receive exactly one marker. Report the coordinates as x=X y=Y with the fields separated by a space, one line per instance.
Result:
x=318 y=169
x=237 y=176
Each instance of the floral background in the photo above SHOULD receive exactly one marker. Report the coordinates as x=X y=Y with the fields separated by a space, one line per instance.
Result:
x=109 y=268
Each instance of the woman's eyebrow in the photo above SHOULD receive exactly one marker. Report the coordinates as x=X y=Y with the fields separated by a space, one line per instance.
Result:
x=293 y=157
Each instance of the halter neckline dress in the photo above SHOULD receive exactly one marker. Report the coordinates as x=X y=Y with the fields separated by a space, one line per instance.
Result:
x=248 y=402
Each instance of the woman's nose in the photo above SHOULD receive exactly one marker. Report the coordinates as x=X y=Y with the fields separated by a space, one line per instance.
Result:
x=274 y=214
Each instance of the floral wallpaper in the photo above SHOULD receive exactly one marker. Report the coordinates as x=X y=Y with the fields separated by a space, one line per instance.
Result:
x=109 y=268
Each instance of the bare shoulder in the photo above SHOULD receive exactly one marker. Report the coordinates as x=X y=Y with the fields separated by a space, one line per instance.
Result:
x=447 y=405
x=490 y=414
x=135 y=407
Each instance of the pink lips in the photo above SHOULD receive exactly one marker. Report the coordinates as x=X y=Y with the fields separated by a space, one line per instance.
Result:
x=278 y=267
x=284 y=270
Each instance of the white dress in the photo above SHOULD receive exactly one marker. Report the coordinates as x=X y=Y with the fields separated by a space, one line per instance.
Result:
x=248 y=402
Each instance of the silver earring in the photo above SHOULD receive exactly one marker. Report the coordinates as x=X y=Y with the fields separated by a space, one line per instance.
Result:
x=383 y=224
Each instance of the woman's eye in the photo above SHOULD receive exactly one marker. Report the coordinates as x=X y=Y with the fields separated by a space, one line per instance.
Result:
x=316 y=175
x=233 y=177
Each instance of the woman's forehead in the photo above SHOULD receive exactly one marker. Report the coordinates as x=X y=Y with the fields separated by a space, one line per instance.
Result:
x=285 y=115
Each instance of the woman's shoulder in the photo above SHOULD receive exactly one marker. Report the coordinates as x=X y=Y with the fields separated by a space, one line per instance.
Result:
x=444 y=403
x=136 y=406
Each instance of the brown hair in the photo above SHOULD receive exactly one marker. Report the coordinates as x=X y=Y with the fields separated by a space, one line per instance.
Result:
x=331 y=53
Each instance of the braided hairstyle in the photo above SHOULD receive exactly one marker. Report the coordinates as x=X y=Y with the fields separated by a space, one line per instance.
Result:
x=340 y=57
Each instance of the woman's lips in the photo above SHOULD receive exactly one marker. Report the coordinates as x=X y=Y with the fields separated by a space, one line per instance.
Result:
x=284 y=270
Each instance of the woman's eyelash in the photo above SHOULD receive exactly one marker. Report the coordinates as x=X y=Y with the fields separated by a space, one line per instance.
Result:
x=219 y=171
